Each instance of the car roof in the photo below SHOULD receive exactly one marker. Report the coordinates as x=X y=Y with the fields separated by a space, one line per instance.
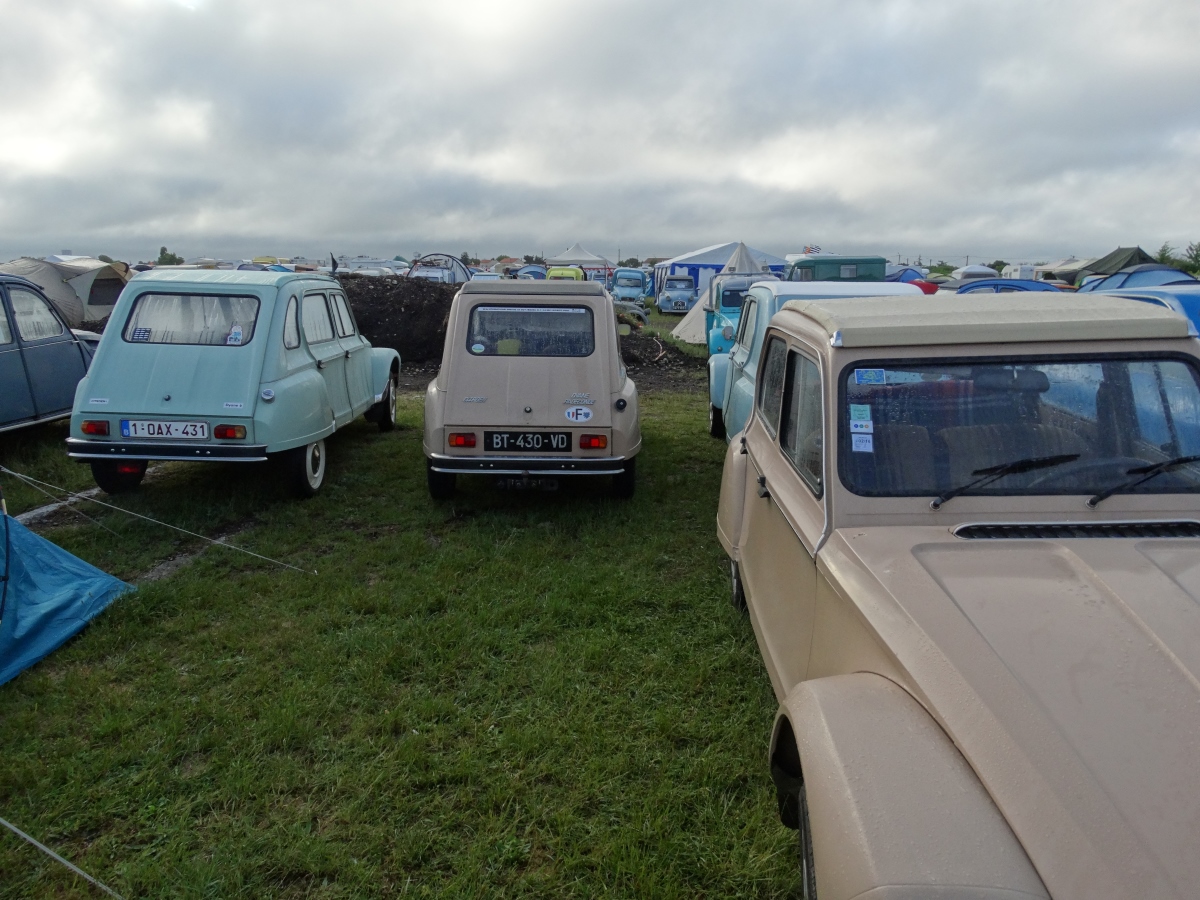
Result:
x=228 y=276
x=998 y=318
x=535 y=288
x=1190 y=289
x=839 y=288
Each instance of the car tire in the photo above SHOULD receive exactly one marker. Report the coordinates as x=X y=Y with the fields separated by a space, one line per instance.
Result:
x=441 y=484
x=385 y=410
x=716 y=422
x=624 y=482
x=737 y=593
x=118 y=476
x=808 y=880
x=306 y=468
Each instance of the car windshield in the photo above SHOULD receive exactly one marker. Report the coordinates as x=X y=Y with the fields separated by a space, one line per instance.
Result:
x=679 y=284
x=209 y=319
x=531 y=331
x=629 y=281
x=732 y=298
x=910 y=429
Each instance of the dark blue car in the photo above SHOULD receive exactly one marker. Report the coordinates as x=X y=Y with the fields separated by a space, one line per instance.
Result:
x=1003 y=286
x=1183 y=298
x=41 y=359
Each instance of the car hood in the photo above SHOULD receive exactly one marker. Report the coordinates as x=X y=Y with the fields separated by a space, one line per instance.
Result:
x=1068 y=673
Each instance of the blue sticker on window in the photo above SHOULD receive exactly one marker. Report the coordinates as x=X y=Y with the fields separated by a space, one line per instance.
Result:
x=140 y=334
x=870 y=376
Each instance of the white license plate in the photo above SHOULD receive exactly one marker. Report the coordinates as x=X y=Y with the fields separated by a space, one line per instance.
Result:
x=148 y=428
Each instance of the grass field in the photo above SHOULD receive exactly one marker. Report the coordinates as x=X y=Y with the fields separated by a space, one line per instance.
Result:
x=508 y=694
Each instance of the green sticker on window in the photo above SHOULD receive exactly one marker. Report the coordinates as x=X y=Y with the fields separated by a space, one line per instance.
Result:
x=860 y=412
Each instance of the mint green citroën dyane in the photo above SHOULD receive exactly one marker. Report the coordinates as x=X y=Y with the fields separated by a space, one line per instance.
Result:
x=221 y=366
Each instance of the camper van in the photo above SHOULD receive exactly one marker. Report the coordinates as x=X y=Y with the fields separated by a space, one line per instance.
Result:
x=827 y=267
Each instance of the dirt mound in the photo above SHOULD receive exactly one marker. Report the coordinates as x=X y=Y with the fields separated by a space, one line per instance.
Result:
x=654 y=363
x=406 y=314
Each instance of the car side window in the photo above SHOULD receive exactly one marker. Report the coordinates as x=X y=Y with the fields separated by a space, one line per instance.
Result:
x=5 y=331
x=317 y=327
x=746 y=326
x=345 y=322
x=801 y=440
x=291 y=328
x=770 y=387
x=35 y=319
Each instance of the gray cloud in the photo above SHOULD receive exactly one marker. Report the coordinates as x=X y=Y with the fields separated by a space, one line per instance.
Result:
x=1020 y=129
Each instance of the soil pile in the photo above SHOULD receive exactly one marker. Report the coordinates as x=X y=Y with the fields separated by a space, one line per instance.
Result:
x=406 y=314
x=655 y=363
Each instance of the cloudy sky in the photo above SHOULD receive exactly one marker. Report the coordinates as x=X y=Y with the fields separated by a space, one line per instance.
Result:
x=1020 y=129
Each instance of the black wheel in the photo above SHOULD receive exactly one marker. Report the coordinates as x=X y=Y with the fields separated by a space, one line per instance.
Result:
x=737 y=593
x=716 y=422
x=306 y=468
x=384 y=412
x=623 y=484
x=441 y=484
x=119 y=476
x=808 y=879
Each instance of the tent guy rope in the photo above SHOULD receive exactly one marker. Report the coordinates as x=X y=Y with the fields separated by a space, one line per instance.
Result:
x=78 y=871
x=33 y=482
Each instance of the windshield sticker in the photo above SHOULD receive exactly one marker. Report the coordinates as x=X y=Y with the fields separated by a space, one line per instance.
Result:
x=862 y=443
x=140 y=334
x=862 y=426
x=860 y=412
x=870 y=376
x=477 y=348
x=234 y=337
x=578 y=414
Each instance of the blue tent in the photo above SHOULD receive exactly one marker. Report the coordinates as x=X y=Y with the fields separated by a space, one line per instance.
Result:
x=47 y=598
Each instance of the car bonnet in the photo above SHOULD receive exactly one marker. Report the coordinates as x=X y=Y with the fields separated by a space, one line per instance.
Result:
x=1067 y=673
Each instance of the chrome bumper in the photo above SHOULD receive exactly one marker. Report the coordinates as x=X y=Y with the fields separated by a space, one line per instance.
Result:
x=81 y=449
x=528 y=465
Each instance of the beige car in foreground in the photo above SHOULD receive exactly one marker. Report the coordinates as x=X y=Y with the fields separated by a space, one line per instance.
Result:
x=966 y=531
x=531 y=389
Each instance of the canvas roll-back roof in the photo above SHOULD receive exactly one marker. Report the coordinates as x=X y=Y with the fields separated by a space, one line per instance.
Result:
x=228 y=277
x=536 y=289
x=997 y=318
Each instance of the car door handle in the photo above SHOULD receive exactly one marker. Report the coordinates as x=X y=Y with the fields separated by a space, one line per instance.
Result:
x=763 y=490
x=347 y=354
x=320 y=363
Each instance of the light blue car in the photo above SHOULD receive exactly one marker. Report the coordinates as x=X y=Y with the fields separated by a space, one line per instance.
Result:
x=731 y=375
x=1183 y=298
x=220 y=366
x=678 y=294
x=723 y=309
x=629 y=286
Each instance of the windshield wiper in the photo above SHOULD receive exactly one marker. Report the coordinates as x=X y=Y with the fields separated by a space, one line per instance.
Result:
x=1143 y=473
x=994 y=473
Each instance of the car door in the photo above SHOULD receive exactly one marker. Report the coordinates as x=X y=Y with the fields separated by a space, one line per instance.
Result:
x=323 y=344
x=53 y=358
x=357 y=352
x=739 y=395
x=785 y=515
x=16 y=400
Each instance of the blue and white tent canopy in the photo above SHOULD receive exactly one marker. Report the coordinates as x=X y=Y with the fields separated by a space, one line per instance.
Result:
x=706 y=262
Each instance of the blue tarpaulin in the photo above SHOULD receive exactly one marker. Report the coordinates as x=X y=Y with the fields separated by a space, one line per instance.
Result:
x=49 y=596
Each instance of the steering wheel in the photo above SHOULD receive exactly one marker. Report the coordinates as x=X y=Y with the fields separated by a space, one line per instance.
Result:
x=1111 y=465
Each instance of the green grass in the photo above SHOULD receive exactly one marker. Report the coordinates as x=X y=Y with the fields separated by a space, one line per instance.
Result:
x=661 y=326
x=41 y=451
x=508 y=694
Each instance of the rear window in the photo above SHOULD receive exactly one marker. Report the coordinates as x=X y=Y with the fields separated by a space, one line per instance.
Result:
x=531 y=331
x=207 y=319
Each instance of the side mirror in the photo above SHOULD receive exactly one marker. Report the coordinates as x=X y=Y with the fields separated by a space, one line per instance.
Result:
x=624 y=330
x=727 y=332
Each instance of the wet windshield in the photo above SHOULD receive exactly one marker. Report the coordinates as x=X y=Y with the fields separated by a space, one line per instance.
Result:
x=192 y=319
x=926 y=429
x=679 y=284
x=629 y=281
x=531 y=331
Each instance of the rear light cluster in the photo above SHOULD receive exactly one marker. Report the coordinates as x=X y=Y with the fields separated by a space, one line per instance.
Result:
x=97 y=428
x=593 y=441
x=466 y=439
x=229 y=432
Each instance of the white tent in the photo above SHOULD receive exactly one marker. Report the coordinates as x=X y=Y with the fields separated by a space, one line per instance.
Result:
x=704 y=263
x=575 y=255
x=968 y=272
x=83 y=289
x=741 y=262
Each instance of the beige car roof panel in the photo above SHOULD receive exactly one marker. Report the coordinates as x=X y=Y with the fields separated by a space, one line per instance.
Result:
x=998 y=318
x=526 y=288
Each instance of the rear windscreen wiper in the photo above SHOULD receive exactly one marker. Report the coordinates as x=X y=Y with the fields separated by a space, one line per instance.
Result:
x=994 y=473
x=1143 y=473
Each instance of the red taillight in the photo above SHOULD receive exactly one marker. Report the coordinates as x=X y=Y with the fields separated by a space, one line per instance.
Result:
x=593 y=441
x=229 y=432
x=131 y=468
x=96 y=428
x=466 y=439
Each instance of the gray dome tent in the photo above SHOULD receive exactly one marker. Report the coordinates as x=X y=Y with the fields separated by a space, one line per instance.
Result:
x=81 y=288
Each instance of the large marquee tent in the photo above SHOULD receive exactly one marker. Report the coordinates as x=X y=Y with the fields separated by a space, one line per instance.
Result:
x=597 y=267
x=706 y=262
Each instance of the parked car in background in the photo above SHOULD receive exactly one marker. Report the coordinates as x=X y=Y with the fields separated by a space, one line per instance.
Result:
x=966 y=533
x=1139 y=276
x=41 y=359
x=1183 y=298
x=731 y=375
x=1004 y=286
x=565 y=273
x=722 y=300
x=831 y=267
x=629 y=286
x=531 y=389
x=216 y=366
x=678 y=294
